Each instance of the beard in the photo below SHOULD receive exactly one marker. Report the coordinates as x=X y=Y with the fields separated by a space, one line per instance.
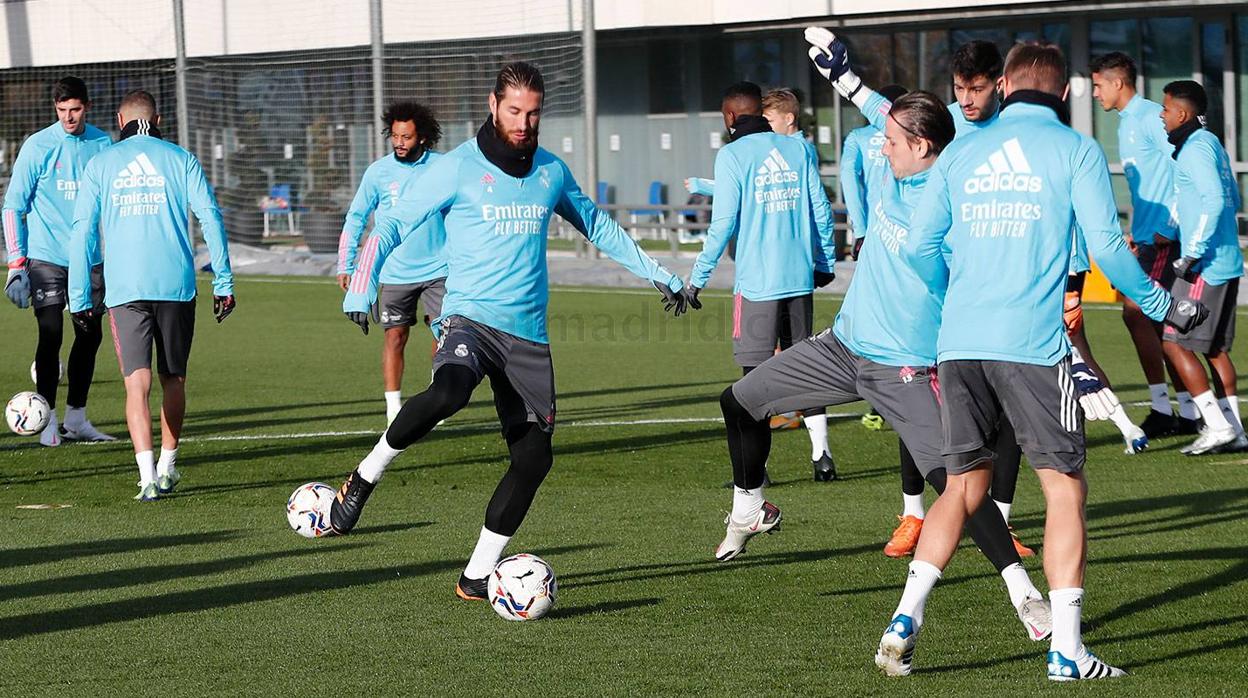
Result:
x=527 y=144
x=413 y=154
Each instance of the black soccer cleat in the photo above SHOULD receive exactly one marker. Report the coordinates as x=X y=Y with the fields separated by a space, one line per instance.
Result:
x=473 y=589
x=1188 y=427
x=825 y=468
x=344 y=511
x=1158 y=424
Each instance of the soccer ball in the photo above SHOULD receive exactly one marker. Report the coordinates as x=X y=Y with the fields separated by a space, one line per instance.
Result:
x=522 y=587
x=60 y=373
x=307 y=510
x=27 y=413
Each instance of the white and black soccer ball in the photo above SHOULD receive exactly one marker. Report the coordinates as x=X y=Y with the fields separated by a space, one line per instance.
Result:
x=60 y=373
x=27 y=413
x=307 y=510
x=522 y=587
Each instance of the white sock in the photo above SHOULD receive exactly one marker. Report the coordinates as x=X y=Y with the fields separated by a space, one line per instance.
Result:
x=74 y=416
x=817 y=427
x=1187 y=406
x=923 y=576
x=1067 y=621
x=168 y=458
x=1230 y=410
x=746 y=503
x=1210 y=411
x=1160 y=398
x=486 y=555
x=147 y=468
x=912 y=505
x=1019 y=585
x=1005 y=509
x=394 y=403
x=374 y=464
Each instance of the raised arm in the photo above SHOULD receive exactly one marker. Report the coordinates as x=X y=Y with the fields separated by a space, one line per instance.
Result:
x=85 y=239
x=725 y=218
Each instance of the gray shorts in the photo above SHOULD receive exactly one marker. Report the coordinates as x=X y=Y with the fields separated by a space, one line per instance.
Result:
x=397 y=302
x=1157 y=261
x=1217 y=333
x=49 y=284
x=521 y=373
x=820 y=371
x=1039 y=401
x=757 y=326
x=170 y=325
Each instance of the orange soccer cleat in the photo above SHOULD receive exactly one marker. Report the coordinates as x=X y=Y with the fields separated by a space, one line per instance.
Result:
x=1022 y=550
x=788 y=420
x=905 y=537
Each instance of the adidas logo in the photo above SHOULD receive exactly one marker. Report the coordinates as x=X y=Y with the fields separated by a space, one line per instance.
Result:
x=775 y=170
x=1007 y=169
x=139 y=173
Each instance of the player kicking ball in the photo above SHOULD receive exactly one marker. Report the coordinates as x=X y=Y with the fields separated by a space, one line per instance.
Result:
x=496 y=194
x=881 y=349
x=415 y=272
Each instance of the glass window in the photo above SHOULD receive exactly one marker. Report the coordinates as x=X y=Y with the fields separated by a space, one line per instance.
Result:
x=717 y=72
x=1060 y=34
x=1241 y=71
x=1167 y=53
x=1212 y=53
x=935 y=66
x=758 y=60
x=667 y=72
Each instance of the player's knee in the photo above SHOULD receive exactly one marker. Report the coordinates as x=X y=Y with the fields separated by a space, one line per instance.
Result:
x=937 y=479
x=730 y=406
x=396 y=338
x=50 y=322
x=451 y=389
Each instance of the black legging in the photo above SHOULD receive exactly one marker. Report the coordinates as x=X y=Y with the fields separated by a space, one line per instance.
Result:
x=911 y=478
x=1005 y=465
x=530 y=447
x=749 y=443
x=81 y=368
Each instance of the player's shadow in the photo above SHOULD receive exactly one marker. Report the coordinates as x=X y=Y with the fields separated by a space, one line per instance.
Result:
x=1193 y=589
x=601 y=608
x=624 y=390
x=223 y=596
x=1121 y=518
x=20 y=557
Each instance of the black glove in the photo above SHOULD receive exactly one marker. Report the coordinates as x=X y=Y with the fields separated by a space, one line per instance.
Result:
x=222 y=306
x=691 y=292
x=858 y=246
x=1184 y=315
x=823 y=278
x=675 y=302
x=83 y=319
x=1184 y=266
x=360 y=319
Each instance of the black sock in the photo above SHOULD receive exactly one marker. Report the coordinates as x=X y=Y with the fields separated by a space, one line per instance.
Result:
x=1005 y=465
x=911 y=479
x=81 y=368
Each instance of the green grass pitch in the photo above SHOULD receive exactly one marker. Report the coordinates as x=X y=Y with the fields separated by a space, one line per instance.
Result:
x=207 y=592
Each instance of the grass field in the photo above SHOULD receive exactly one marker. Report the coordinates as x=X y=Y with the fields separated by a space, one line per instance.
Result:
x=207 y=592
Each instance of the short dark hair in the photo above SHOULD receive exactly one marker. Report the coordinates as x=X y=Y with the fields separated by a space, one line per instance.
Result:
x=892 y=92
x=976 y=58
x=924 y=115
x=141 y=99
x=1036 y=65
x=69 y=87
x=427 y=126
x=744 y=89
x=1191 y=92
x=1115 y=61
x=520 y=75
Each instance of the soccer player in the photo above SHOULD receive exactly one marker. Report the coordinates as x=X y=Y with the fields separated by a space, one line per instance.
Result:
x=1208 y=271
x=38 y=220
x=1146 y=159
x=133 y=203
x=881 y=349
x=976 y=69
x=779 y=214
x=415 y=271
x=496 y=193
x=1000 y=204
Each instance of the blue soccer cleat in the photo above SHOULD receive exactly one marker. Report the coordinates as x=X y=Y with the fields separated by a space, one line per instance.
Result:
x=1086 y=667
x=897 y=646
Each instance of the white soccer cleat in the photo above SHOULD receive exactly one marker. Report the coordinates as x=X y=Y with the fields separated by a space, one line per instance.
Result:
x=147 y=493
x=1135 y=439
x=84 y=431
x=1087 y=666
x=1037 y=617
x=896 y=650
x=766 y=521
x=1209 y=440
x=165 y=483
x=51 y=434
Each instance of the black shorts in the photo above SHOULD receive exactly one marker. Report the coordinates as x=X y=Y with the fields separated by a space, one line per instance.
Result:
x=136 y=326
x=1157 y=261
x=521 y=373
x=49 y=285
x=758 y=326
x=1217 y=333
x=398 y=302
x=1039 y=401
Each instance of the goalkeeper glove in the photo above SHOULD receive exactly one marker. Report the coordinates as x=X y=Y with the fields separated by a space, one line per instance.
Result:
x=823 y=278
x=1097 y=400
x=17 y=287
x=1184 y=266
x=831 y=59
x=1185 y=315
x=222 y=306
x=1072 y=312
